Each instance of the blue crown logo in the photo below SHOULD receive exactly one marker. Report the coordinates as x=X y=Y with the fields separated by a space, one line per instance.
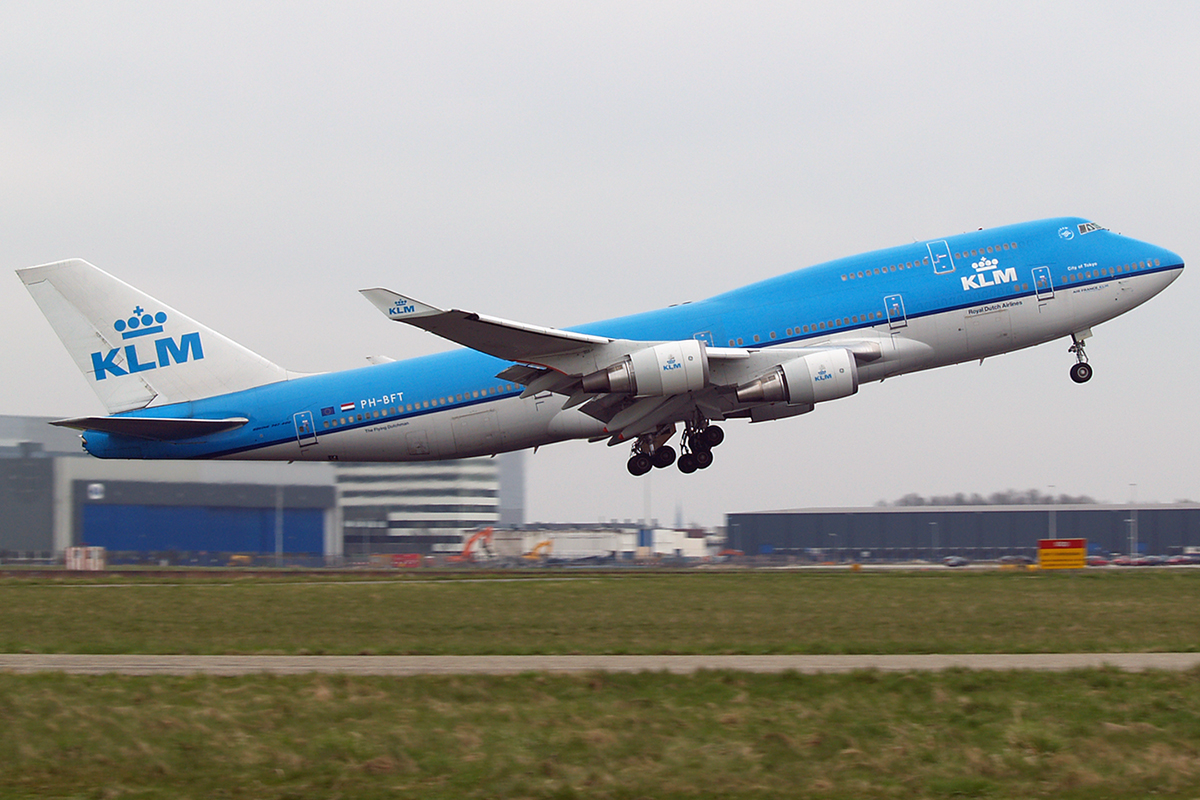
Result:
x=140 y=324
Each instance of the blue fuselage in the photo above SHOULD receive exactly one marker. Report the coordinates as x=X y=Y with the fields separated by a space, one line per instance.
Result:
x=934 y=303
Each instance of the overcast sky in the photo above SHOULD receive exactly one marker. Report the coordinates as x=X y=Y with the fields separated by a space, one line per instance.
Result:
x=255 y=164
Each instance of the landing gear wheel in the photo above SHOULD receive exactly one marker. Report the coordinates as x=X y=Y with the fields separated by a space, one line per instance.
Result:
x=639 y=464
x=663 y=456
x=687 y=463
x=704 y=458
x=1081 y=372
x=712 y=436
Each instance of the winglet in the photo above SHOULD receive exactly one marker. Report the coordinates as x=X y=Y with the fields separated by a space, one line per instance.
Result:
x=396 y=306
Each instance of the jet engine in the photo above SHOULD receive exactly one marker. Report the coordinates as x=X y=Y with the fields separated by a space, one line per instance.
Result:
x=812 y=378
x=665 y=369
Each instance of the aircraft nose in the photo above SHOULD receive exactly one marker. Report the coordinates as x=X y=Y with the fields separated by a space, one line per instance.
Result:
x=1169 y=259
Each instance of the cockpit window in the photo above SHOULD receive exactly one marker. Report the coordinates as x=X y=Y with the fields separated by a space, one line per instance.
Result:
x=1088 y=227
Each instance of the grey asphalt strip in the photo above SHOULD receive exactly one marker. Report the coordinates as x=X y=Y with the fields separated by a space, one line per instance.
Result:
x=511 y=665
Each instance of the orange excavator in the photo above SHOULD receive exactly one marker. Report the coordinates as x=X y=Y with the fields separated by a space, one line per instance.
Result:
x=482 y=538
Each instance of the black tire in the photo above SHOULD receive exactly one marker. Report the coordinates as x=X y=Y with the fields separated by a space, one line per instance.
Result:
x=639 y=464
x=1081 y=372
x=704 y=459
x=712 y=436
x=663 y=456
x=687 y=463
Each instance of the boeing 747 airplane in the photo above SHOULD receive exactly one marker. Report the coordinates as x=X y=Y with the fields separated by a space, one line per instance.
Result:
x=175 y=389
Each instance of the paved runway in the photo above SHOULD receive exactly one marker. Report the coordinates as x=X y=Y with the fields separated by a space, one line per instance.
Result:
x=511 y=665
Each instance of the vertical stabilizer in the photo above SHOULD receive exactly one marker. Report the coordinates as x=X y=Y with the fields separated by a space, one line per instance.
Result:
x=135 y=350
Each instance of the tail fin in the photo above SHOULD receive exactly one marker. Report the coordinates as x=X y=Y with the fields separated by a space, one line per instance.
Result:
x=135 y=350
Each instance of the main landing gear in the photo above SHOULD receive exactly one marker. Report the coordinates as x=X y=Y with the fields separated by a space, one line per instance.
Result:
x=1081 y=371
x=698 y=441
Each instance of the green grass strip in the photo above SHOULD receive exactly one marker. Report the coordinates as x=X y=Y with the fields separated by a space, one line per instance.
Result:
x=688 y=613
x=1086 y=734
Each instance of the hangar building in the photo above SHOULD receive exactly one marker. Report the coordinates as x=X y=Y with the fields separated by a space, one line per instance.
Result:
x=53 y=496
x=976 y=532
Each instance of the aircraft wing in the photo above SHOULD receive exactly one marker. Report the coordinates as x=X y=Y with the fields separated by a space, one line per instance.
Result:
x=589 y=370
x=512 y=341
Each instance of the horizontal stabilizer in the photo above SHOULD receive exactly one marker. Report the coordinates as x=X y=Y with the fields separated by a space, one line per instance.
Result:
x=158 y=429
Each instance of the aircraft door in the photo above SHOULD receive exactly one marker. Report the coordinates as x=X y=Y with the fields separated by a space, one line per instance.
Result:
x=939 y=254
x=306 y=431
x=894 y=304
x=1043 y=283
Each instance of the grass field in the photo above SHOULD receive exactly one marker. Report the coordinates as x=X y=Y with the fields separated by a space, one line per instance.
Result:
x=684 y=613
x=1092 y=734
x=1085 y=734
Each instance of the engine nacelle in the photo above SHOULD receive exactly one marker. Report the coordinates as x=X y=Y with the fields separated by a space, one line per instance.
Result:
x=809 y=379
x=665 y=369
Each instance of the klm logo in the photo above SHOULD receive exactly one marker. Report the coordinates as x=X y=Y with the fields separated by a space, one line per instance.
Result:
x=671 y=364
x=167 y=351
x=987 y=274
x=401 y=307
x=823 y=375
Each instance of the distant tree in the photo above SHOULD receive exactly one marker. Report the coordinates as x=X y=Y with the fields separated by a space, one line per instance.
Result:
x=1010 y=497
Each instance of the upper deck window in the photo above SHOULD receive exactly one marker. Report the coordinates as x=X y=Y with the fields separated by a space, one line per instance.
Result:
x=1088 y=227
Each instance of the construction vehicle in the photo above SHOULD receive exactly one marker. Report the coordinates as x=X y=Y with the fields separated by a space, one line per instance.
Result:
x=482 y=538
x=540 y=552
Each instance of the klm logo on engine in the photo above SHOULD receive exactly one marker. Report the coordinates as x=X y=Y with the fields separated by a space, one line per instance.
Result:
x=987 y=274
x=671 y=364
x=167 y=351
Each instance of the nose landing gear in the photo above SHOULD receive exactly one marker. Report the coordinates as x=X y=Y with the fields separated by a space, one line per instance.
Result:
x=1081 y=371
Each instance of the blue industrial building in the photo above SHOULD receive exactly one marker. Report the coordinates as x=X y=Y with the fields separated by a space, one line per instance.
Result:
x=54 y=496
x=976 y=532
